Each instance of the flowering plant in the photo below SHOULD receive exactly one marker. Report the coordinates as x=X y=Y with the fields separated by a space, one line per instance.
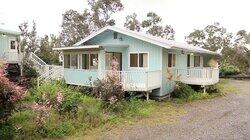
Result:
x=10 y=93
x=110 y=88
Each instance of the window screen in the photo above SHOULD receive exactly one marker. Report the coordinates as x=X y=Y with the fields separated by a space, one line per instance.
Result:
x=197 y=61
x=143 y=60
x=93 y=61
x=66 y=60
x=133 y=60
x=12 y=44
x=74 y=61
x=85 y=61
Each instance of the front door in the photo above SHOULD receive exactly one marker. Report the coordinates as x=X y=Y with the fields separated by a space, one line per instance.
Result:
x=110 y=56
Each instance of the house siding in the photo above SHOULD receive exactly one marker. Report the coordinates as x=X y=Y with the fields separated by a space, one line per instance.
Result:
x=5 y=43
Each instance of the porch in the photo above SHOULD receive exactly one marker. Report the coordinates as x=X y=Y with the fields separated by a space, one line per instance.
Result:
x=195 y=76
x=12 y=57
x=130 y=80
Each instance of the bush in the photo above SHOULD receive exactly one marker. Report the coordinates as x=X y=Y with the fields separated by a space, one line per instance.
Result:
x=10 y=93
x=229 y=70
x=182 y=91
x=110 y=88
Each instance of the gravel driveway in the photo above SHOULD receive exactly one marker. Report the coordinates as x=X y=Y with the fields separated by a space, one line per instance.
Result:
x=226 y=117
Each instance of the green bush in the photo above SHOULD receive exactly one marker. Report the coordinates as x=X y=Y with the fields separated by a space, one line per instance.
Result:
x=182 y=91
x=229 y=70
x=7 y=131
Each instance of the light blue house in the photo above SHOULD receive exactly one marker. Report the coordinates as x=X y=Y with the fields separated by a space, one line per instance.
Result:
x=9 y=46
x=146 y=63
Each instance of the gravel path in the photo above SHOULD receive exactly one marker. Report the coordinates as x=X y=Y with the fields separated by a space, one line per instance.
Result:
x=227 y=117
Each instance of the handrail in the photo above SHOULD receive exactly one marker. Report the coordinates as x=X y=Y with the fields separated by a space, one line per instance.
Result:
x=37 y=59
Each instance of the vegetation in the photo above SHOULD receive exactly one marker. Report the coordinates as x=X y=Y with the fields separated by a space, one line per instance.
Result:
x=55 y=110
x=184 y=92
x=215 y=37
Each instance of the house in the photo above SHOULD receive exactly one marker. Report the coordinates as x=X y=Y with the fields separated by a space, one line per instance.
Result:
x=148 y=64
x=9 y=46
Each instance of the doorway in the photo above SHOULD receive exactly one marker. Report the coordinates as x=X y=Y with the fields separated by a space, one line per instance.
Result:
x=108 y=60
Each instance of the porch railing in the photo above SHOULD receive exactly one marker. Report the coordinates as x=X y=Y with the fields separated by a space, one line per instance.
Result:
x=136 y=80
x=12 y=57
x=196 y=76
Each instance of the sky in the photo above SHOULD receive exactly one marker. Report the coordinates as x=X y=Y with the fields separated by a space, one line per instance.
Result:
x=183 y=15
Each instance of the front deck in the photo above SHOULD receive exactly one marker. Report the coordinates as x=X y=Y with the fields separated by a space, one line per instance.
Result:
x=130 y=80
x=144 y=80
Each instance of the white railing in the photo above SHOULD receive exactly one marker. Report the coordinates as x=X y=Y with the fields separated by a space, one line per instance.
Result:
x=47 y=72
x=136 y=80
x=196 y=76
x=52 y=72
x=12 y=57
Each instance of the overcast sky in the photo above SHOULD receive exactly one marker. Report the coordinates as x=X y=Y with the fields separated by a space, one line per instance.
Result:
x=183 y=15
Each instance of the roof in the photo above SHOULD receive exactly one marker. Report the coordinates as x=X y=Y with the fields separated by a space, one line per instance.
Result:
x=168 y=44
x=6 y=31
x=78 y=47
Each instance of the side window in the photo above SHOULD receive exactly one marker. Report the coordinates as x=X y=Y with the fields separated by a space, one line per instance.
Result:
x=93 y=61
x=85 y=61
x=171 y=60
x=197 y=61
x=66 y=61
x=74 y=61
x=12 y=44
x=134 y=60
x=188 y=60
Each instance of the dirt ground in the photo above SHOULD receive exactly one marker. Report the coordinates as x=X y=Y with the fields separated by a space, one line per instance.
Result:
x=226 y=117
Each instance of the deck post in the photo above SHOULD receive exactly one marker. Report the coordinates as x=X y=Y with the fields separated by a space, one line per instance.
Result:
x=147 y=95
x=204 y=89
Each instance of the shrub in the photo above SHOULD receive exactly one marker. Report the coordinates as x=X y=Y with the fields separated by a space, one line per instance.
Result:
x=110 y=88
x=10 y=93
x=182 y=91
x=229 y=70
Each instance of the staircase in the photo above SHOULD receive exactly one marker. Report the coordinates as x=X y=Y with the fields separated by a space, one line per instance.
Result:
x=46 y=72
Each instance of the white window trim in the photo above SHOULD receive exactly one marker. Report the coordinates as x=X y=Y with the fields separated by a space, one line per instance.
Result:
x=88 y=53
x=201 y=61
x=172 y=59
x=137 y=60
x=10 y=45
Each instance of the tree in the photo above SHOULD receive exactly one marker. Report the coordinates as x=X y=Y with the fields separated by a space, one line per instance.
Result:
x=132 y=23
x=75 y=26
x=154 y=27
x=212 y=37
x=102 y=10
x=45 y=49
x=28 y=38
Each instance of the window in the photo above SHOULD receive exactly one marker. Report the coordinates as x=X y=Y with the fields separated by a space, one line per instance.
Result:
x=139 y=60
x=89 y=61
x=85 y=61
x=115 y=35
x=197 y=61
x=188 y=60
x=66 y=60
x=74 y=61
x=171 y=60
x=133 y=60
x=13 y=44
x=93 y=61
